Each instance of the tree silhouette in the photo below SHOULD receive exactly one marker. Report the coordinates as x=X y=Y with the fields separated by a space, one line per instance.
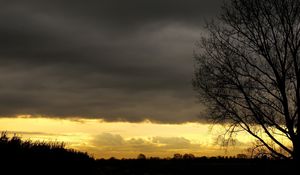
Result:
x=248 y=72
x=141 y=157
x=177 y=156
x=188 y=156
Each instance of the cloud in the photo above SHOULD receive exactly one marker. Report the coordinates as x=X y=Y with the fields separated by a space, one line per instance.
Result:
x=173 y=142
x=108 y=145
x=112 y=142
x=107 y=139
x=27 y=133
x=116 y=60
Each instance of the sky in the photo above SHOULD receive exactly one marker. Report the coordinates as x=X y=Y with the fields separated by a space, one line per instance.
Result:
x=127 y=139
x=118 y=62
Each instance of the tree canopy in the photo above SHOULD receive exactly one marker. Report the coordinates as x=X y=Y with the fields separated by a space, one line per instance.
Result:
x=248 y=72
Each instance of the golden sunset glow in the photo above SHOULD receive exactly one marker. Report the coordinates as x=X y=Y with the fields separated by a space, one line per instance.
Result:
x=150 y=87
x=126 y=140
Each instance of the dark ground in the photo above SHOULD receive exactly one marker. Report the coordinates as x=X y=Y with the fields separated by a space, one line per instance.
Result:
x=195 y=166
x=151 y=167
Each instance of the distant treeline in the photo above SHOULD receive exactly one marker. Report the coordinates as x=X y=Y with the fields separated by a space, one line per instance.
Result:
x=188 y=156
x=200 y=165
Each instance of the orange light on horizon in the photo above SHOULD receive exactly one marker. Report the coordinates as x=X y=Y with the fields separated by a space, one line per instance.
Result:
x=124 y=139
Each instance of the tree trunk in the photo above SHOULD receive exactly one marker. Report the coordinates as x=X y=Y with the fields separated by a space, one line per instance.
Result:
x=296 y=145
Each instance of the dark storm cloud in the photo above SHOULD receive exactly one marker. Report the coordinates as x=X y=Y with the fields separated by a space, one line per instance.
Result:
x=117 y=60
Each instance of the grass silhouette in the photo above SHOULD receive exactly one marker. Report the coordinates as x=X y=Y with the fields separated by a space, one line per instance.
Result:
x=40 y=157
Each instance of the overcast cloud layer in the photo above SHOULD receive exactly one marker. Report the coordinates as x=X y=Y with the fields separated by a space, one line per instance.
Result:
x=117 y=60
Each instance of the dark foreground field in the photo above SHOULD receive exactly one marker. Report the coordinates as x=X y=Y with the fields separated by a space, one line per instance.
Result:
x=26 y=157
x=150 y=167
x=195 y=166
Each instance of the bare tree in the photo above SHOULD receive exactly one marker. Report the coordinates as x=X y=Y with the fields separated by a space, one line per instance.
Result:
x=248 y=72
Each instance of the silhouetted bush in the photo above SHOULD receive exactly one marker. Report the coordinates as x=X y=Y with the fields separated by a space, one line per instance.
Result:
x=24 y=156
x=141 y=157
